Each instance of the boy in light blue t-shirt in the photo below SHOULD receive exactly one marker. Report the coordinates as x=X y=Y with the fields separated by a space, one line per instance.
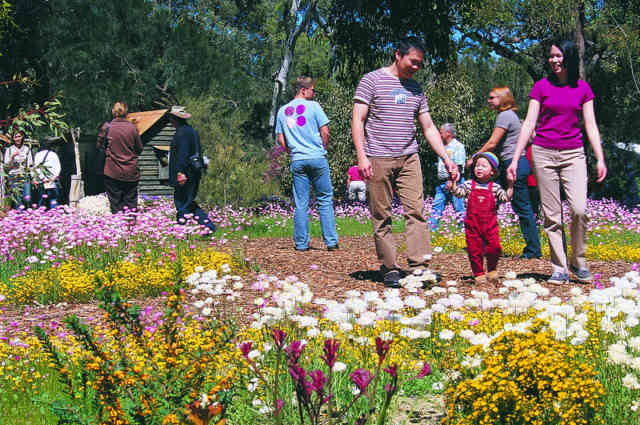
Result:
x=302 y=129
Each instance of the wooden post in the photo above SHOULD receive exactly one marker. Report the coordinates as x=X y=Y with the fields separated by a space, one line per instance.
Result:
x=76 y=190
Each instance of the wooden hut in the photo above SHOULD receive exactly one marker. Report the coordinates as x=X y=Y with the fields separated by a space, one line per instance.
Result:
x=156 y=134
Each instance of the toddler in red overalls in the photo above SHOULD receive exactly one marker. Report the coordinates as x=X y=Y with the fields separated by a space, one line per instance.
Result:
x=481 y=223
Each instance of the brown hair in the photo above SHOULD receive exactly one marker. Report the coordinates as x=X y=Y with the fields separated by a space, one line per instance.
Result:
x=119 y=110
x=506 y=98
x=303 y=82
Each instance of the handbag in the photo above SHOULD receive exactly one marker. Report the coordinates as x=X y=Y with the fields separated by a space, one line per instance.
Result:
x=101 y=153
x=196 y=162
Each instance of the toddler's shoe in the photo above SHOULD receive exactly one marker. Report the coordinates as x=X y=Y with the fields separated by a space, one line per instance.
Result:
x=492 y=276
x=479 y=280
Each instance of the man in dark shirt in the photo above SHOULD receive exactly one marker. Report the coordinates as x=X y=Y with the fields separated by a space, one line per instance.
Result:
x=182 y=176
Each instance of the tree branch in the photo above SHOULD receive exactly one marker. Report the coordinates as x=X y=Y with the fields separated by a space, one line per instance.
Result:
x=505 y=52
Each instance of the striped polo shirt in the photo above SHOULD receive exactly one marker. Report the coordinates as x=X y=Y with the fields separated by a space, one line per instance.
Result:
x=394 y=104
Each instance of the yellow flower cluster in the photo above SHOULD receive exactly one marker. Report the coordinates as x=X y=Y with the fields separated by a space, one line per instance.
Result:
x=200 y=354
x=22 y=368
x=73 y=281
x=527 y=378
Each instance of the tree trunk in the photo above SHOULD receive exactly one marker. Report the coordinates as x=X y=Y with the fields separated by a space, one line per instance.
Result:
x=297 y=24
x=579 y=17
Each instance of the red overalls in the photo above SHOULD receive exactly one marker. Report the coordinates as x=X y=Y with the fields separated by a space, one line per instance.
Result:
x=481 y=229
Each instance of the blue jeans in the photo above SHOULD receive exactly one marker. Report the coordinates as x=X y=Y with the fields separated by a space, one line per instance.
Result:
x=307 y=172
x=442 y=197
x=184 y=198
x=522 y=206
x=48 y=197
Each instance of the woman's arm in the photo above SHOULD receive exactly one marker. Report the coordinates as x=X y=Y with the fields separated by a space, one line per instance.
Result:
x=593 y=134
x=526 y=131
x=497 y=135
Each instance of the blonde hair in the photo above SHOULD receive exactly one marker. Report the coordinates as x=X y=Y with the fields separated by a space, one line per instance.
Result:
x=506 y=98
x=119 y=110
x=303 y=82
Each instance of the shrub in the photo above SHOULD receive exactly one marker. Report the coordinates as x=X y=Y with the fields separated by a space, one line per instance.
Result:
x=169 y=369
x=526 y=378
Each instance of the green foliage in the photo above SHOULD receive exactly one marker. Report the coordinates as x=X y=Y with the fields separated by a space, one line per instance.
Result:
x=5 y=18
x=365 y=31
x=236 y=173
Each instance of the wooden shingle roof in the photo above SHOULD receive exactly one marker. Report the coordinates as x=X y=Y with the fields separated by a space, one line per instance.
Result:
x=145 y=120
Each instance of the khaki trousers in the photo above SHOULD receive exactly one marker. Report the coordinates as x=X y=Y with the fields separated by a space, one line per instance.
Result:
x=405 y=174
x=568 y=168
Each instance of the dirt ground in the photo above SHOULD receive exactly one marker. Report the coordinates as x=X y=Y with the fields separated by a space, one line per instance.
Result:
x=329 y=274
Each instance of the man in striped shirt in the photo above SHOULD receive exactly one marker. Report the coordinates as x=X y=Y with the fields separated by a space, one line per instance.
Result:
x=386 y=105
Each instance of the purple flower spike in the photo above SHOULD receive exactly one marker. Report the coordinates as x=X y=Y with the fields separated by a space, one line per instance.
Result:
x=382 y=348
x=392 y=370
x=279 y=337
x=245 y=347
x=635 y=267
x=426 y=370
x=294 y=350
x=330 y=352
x=319 y=380
x=297 y=373
x=279 y=406
x=361 y=379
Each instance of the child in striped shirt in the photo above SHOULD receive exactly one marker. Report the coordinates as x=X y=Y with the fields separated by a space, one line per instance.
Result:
x=481 y=223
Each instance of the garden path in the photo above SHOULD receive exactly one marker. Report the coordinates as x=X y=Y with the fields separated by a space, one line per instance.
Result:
x=355 y=266
x=329 y=275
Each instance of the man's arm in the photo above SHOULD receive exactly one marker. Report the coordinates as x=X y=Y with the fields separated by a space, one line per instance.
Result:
x=182 y=155
x=324 y=134
x=360 y=112
x=432 y=135
x=282 y=142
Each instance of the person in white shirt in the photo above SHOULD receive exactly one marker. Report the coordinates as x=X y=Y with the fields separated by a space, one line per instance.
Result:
x=17 y=162
x=46 y=172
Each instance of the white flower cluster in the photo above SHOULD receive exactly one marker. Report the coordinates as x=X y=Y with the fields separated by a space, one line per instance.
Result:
x=215 y=290
x=418 y=280
x=281 y=298
x=95 y=205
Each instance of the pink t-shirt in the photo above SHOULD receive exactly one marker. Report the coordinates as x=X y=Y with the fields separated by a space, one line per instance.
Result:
x=354 y=174
x=560 y=111
x=394 y=104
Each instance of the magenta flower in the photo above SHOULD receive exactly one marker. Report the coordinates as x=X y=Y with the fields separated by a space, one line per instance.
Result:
x=294 y=350
x=318 y=380
x=297 y=373
x=392 y=370
x=635 y=267
x=279 y=337
x=245 y=347
x=279 y=406
x=426 y=370
x=330 y=352
x=361 y=379
x=382 y=348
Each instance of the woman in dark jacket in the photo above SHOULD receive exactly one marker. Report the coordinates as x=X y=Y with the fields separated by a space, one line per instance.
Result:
x=121 y=172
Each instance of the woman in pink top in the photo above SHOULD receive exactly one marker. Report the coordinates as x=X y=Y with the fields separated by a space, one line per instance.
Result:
x=557 y=103
x=356 y=187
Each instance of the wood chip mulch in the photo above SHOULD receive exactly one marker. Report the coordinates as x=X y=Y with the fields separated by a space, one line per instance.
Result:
x=330 y=275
